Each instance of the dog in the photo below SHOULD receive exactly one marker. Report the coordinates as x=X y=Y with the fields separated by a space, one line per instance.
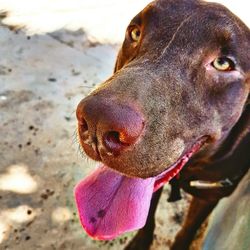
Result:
x=176 y=109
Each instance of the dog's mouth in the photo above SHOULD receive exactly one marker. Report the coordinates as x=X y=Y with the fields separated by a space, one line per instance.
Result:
x=110 y=203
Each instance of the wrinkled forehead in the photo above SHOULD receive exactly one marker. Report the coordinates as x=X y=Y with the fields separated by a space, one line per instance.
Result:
x=190 y=24
x=164 y=19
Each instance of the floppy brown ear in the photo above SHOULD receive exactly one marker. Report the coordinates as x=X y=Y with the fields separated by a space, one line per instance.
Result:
x=121 y=59
x=118 y=62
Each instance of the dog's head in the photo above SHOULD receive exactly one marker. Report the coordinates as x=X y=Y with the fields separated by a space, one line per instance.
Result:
x=182 y=77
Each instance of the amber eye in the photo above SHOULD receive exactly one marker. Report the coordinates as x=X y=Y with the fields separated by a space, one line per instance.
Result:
x=223 y=64
x=135 y=34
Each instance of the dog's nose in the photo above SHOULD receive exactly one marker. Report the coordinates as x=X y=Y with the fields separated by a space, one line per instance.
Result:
x=108 y=125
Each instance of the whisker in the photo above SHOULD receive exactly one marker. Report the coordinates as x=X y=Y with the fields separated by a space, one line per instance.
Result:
x=86 y=86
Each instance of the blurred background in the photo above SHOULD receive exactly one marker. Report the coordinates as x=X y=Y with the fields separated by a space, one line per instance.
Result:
x=103 y=21
x=53 y=52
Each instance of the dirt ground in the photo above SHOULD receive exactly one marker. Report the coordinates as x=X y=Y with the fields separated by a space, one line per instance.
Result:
x=42 y=78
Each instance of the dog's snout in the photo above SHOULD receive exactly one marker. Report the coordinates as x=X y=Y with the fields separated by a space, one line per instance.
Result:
x=108 y=126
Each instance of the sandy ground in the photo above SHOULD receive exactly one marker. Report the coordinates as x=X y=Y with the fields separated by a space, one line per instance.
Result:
x=42 y=78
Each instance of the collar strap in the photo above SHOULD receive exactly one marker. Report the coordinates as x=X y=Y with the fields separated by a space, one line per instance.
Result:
x=210 y=185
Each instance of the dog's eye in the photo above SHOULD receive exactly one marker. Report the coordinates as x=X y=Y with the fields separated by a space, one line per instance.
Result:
x=223 y=64
x=135 y=34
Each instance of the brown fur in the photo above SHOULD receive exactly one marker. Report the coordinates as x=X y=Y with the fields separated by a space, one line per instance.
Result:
x=165 y=77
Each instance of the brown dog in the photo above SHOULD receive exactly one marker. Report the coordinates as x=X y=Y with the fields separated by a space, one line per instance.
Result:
x=180 y=90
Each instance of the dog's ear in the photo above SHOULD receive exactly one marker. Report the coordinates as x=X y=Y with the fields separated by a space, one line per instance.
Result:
x=245 y=50
x=118 y=62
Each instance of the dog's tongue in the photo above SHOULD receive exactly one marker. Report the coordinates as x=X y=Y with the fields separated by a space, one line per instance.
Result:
x=110 y=204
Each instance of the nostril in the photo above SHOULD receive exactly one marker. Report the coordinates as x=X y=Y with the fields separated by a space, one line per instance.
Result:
x=114 y=141
x=108 y=126
x=83 y=124
x=83 y=130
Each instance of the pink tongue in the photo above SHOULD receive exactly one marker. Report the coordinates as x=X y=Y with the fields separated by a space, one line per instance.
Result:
x=110 y=204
